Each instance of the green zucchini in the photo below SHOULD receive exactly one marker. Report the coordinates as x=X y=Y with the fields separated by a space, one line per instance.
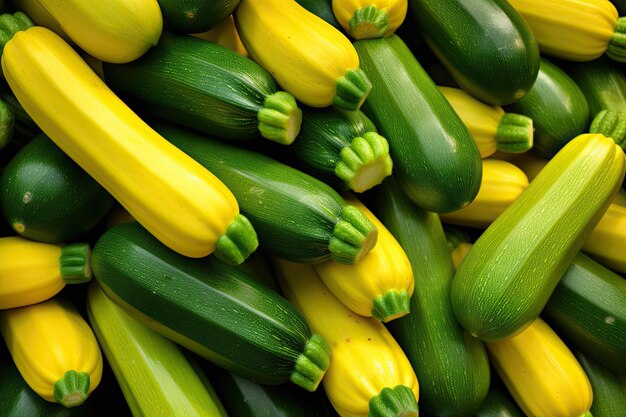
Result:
x=509 y=274
x=612 y=124
x=588 y=307
x=452 y=366
x=603 y=83
x=485 y=44
x=207 y=87
x=609 y=388
x=335 y=143
x=46 y=196
x=157 y=379
x=296 y=216
x=568 y=114
x=195 y=16
x=436 y=160
x=7 y=121
x=213 y=309
x=323 y=9
x=499 y=404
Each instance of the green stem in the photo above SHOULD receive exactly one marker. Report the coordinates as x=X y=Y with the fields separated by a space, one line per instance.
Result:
x=617 y=46
x=239 y=241
x=353 y=237
x=587 y=414
x=391 y=305
x=365 y=163
x=369 y=23
x=75 y=261
x=72 y=389
x=612 y=124
x=352 y=89
x=280 y=118
x=312 y=363
x=514 y=133
x=394 y=402
x=10 y=24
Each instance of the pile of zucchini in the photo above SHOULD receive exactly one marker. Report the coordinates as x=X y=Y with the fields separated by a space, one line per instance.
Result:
x=354 y=208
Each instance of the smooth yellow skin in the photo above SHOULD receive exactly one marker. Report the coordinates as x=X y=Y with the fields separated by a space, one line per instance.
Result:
x=607 y=241
x=305 y=54
x=481 y=119
x=575 y=30
x=48 y=339
x=175 y=198
x=396 y=12
x=541 y=373
x=365 y=358
x=225 y=34
x=116 y=31
x=502 y=182
x=29 y=271
x=40 y=16
x=385 y=268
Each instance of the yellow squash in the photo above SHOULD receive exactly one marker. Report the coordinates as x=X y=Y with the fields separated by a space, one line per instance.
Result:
x=541 y=373
x=307 y=56
x=179 y=201
x=367 y=19
x=54 y=349
x=40 y=16
x=225 y=34
x=607 y=241
x=501 y=183
x=492 y=128
x=575 y=30
x=380 y=284
x=31 y=272
x=369 y=374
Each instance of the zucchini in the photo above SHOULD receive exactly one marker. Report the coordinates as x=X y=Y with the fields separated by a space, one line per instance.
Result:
x=498 y=403
x=603 y=83
x=569 y=112
x=220 y=92
x=7 y=122
x=436 y=159
x=296 y=216
x=47 y=197
x=509 y=274
x=213 y=309
x=486 y=46
x=322 y=9
x=366 y=19
x=454 y=363
x=195 y=16
x=588 y=307
x=609 y=388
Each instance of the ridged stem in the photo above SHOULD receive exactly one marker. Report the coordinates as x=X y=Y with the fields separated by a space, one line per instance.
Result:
x=353 y=237
x=239 y=241
x=365 y=163
x=612 y=124
x=514 y=133
x=10 y=24
x=617 y=46
x=72 y=389
x=369 y=23
x=280 y=118
x=75 y=263
x=587 y=414
x=391 y=305
x=352 y=89
x=394 y=402
x=312 y=363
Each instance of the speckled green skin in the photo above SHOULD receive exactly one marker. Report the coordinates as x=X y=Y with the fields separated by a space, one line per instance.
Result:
x=195 y=16
x=609 y=395
x=603 y=83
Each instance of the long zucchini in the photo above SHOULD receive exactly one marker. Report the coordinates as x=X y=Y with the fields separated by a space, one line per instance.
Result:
x=609 y=387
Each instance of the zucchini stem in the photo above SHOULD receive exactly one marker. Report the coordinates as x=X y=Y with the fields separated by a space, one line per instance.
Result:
x=391 y=305
x=353 y=237
x=352 y=89
x=365 y=163
x=75 y=263
x=280 y=118
x=72 y=389
x=369 y=23
x=239 y=241
x=617 y=46
x=612 y=124
x=394 y=402
x=312 y=363
x=514 y=133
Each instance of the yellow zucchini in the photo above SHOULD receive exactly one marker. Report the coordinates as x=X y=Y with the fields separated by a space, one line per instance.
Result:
x=541 y=373
x=225 y=34
x=380 y=284
x=607 y=241
x=369 y=374
x=31 y=272
x=307 y=56
x=366 y=19
x=54 y=349
x=179 y=201
x=40 y=16
x=502 y=182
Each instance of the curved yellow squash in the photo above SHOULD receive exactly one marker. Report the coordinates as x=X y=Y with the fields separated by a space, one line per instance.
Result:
x=31 y=272
x=40 y=16
x=179 y=201
x=380 y=284
x=307 y=56
x=54 y=349
x=367 y=19
x=116 y=31
x=368 y=370
x=541 y=373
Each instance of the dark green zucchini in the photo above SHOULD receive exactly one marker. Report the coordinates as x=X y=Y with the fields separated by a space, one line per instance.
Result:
x=296 y=216
x=195 y=16
x=451 y=365
x=323 y=9
x=558 y=108
x=609 y=388
x=209 y=88
x=436 y=160
x=485 y=44
x=213 y=309
x=588 y=307
x=603 y=83
x=7 y=121
x=46 y=196
x=335 y=143
x=499 y=404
